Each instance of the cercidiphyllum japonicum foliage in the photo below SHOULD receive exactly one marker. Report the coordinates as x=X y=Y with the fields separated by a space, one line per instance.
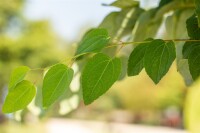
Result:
x=133 y=25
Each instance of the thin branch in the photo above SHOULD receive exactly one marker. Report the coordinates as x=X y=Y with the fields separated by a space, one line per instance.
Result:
x=122 y=44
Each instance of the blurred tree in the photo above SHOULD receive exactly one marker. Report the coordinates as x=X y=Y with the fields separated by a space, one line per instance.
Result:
x=32 y=44
x=9 y=9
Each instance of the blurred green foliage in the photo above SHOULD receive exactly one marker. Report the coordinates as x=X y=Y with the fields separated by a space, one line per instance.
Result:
x=8 y=10
x=24 y=42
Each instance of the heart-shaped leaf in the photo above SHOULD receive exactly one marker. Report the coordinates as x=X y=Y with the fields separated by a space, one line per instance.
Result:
x=98 y=76
x=158 y=58
x=136 y=59
x=19 y=97
x=17 y=76
x=56 y=81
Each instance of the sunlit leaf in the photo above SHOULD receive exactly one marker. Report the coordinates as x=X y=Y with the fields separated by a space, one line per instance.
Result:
x=98 y=76
x=17 y=76
x=19 y=97
x=110 y=23
x=121 y=23
x=93 y=41
x=145 y=23
x=56 y=82
x=124 y=62
x=183 y=69
x=192 y=108
x=175 y=24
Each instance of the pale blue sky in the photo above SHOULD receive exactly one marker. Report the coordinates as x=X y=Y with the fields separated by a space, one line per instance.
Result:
x=69 y=16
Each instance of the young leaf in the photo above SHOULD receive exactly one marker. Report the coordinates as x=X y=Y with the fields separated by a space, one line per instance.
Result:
x=56 y=81
x=98 y=76
x=194 y=62
x=19 y=97
x=136 y=59
x=158 y=58
x=93 y=41
x=17 y=76
x=193 y=28
x=188 y=48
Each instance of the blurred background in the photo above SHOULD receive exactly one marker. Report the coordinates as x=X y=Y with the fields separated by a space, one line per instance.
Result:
x=40 y=33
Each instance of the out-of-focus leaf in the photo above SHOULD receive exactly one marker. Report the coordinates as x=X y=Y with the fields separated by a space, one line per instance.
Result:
x=110 y=23
x=176 y=28
x=124 y=62
x=19 y=97
x=193 y=28
x=164 y=2
x=145 y=27
x=17 y=76
x=125 y=3
x=93 y=41
x=192 y=108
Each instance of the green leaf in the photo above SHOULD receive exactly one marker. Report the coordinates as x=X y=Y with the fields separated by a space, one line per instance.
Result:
x=136 y=59
x=188 y=48
x=164 y=2
x=194 y=62
x=98 y=76
x=158 y=58
x=121 y=23
x=56 y=82
x=124 y=62
x=125 y=3
x=183 y=69
x=197 y=2
x=110 y=23
x=93 y=41
x=17 y=76
x=145 y=23
x=19 y=97
x=192 y=27
x=176 y=24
